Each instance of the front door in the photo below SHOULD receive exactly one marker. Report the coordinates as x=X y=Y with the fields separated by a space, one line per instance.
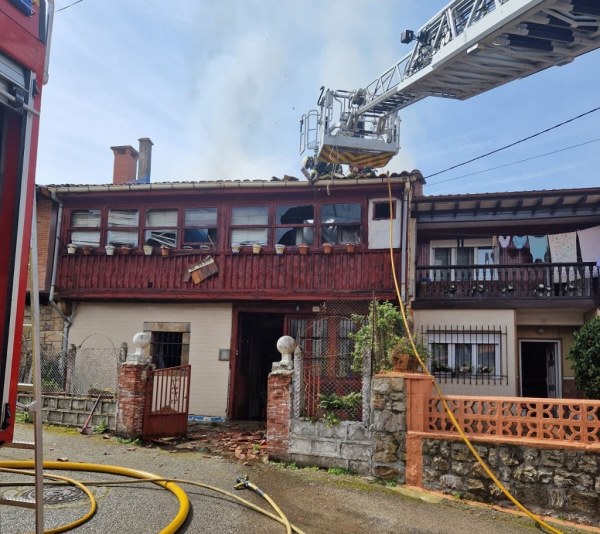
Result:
x=256 y=351
x=540 y=369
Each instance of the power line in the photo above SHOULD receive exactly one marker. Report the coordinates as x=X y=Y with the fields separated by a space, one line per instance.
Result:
x=516 y=162
x=514 y=143
x=67 y=7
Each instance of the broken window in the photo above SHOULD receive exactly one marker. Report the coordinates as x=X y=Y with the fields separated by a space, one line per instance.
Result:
x=340 y=223
x=123 y=227
x=249 y=225
x=85 y=228
x=294 y=225
x=200 y=228
x=161 y=228
x=381 y=210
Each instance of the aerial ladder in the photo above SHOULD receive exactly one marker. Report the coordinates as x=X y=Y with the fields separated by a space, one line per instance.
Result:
x=469 y=47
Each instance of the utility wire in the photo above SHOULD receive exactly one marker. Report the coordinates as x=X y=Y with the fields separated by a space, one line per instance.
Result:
x=67 y=7
x=515 y=143
x=516 y=162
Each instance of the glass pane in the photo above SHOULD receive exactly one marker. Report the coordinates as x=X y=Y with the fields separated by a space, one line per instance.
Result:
x=464 y=256
x=294 y=215
x=462 y=357
x=340 y=213
x=439 y=357
x=200 y=235
x=83 y=238
x=249 y=236
x=157 y=238
x=485 y=256
x=130 y=218
x=166 y=218
x=86 y=218
x=340 y=234
x=441 y=256
x=294 y=236
x=486 y=358
x=122 y=237
x=249 y=215
x=201 y=217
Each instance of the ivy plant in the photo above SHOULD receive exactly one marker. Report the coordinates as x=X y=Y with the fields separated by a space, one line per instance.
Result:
x=585 y=358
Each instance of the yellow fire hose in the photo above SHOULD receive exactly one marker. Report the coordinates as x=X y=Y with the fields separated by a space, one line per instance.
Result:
x=464 y=437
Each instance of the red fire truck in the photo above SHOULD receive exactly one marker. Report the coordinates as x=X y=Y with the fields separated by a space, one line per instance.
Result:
x=25 y=26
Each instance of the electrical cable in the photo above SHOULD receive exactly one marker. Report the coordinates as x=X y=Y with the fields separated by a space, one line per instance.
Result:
x=438 y=390
x=516 y=162
x=67 y=7
x=514 y=143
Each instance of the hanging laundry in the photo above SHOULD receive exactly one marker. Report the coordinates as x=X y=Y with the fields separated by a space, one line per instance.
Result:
x=538 y=246
x=504 y=240
x=589 y=243
x=494 y=241
x=563 y=249
x=519 y=241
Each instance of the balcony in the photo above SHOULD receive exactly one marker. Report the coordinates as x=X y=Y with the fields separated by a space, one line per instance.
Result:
x=509 y=285
x=243 y=276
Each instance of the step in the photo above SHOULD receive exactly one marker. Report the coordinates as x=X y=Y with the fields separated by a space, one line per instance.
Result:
x=20 y=445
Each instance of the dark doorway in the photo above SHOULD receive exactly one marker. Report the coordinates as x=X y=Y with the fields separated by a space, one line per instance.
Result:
x=256 y=351
x=539 y=372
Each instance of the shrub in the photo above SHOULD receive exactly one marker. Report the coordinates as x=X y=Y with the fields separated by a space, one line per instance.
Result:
x=585 y=358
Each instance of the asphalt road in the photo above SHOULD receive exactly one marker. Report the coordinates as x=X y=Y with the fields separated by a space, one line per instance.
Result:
x=314 y=501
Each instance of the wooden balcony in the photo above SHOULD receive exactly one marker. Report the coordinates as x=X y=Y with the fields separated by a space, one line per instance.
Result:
x=509 y=285
x=243 y=276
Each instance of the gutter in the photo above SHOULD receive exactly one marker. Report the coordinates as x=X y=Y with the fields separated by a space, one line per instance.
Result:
x=48 y=40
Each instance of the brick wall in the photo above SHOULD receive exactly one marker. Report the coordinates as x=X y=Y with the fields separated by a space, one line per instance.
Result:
x=134 y=390
x=278 y=414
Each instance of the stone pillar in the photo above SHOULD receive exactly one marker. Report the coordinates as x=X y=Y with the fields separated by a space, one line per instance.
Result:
x=279 y=408
x=388 y=425
x=134 y=388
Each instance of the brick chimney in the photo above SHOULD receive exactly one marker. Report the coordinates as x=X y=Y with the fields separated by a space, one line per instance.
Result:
x=145 y=163
x=125 y=164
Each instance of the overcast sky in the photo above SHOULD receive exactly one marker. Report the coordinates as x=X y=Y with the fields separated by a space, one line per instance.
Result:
x=220 y=86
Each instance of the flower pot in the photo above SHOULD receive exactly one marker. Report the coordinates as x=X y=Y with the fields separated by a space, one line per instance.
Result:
x=110 y=250
x=256 y=248
x=303 y=249
x=148 y=250
x=125 y=251
x=401 y=360
x=279 y=248
x=327 y=248
x=165 y=251
x=235 y=249
x=350 y=247
x=71 y=248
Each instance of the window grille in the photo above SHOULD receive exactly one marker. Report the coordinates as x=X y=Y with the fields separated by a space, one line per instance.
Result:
x=167 y=348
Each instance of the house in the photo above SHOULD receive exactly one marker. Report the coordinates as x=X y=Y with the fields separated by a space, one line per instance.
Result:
x=502 y=280
x=200 y=265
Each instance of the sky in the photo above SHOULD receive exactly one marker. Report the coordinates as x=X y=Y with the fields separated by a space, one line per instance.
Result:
x=219 y=86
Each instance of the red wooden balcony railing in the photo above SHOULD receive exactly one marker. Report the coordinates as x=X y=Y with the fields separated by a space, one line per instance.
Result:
x=243 y=275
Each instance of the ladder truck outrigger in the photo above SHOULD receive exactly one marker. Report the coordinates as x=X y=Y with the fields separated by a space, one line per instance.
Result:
x=469 y=47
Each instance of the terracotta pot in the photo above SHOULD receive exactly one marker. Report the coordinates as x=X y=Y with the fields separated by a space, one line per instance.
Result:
x=125 y=251
x=303 y=249
x=400 y=360
x=350 y=247
x=165 y=251
x=87 y=251
x=327 y=248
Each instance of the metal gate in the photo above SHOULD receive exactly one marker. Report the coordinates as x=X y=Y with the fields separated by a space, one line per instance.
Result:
x=167 y=412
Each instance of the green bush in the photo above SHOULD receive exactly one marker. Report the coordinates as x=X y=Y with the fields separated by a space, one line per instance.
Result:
x=585 y=358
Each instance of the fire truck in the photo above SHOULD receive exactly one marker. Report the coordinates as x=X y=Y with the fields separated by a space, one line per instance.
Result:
x=469 y=47
x=25 y=27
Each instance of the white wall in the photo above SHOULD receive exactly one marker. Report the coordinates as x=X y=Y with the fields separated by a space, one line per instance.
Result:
x=379 y=230
x=504 y=319
x=107 y=325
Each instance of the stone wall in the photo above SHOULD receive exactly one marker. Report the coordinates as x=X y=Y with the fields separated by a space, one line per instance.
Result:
x=559 y=482
x=346 y=445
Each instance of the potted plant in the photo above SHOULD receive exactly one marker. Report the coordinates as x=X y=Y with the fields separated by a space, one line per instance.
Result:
x=87 y=250
x=235 y=249
x=350 y=247
x=148 y=250
x=71 y=248
x=327 y=248
x=303 y=248
x=256 y=248
x=279 y=248
x=125 y=250
x=110 y=250
x=165 y=250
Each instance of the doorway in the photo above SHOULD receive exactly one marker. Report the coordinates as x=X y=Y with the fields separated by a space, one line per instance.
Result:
x=540 y=369
x=256 y=351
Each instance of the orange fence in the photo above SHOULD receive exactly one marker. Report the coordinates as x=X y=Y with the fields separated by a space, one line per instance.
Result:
x=560 y=420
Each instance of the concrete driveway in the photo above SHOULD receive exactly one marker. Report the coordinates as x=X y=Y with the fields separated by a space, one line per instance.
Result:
x=314 y=500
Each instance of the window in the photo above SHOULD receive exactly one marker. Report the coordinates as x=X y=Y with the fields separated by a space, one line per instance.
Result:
x=161 y=228
x=123 y=227
x=249 y=225
x=381 y=210
x=200 y=228
x=465 y=353
x=170 y=343
x=85 y=228
x=340 y=223
x=463 y=258
x=294 y=224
